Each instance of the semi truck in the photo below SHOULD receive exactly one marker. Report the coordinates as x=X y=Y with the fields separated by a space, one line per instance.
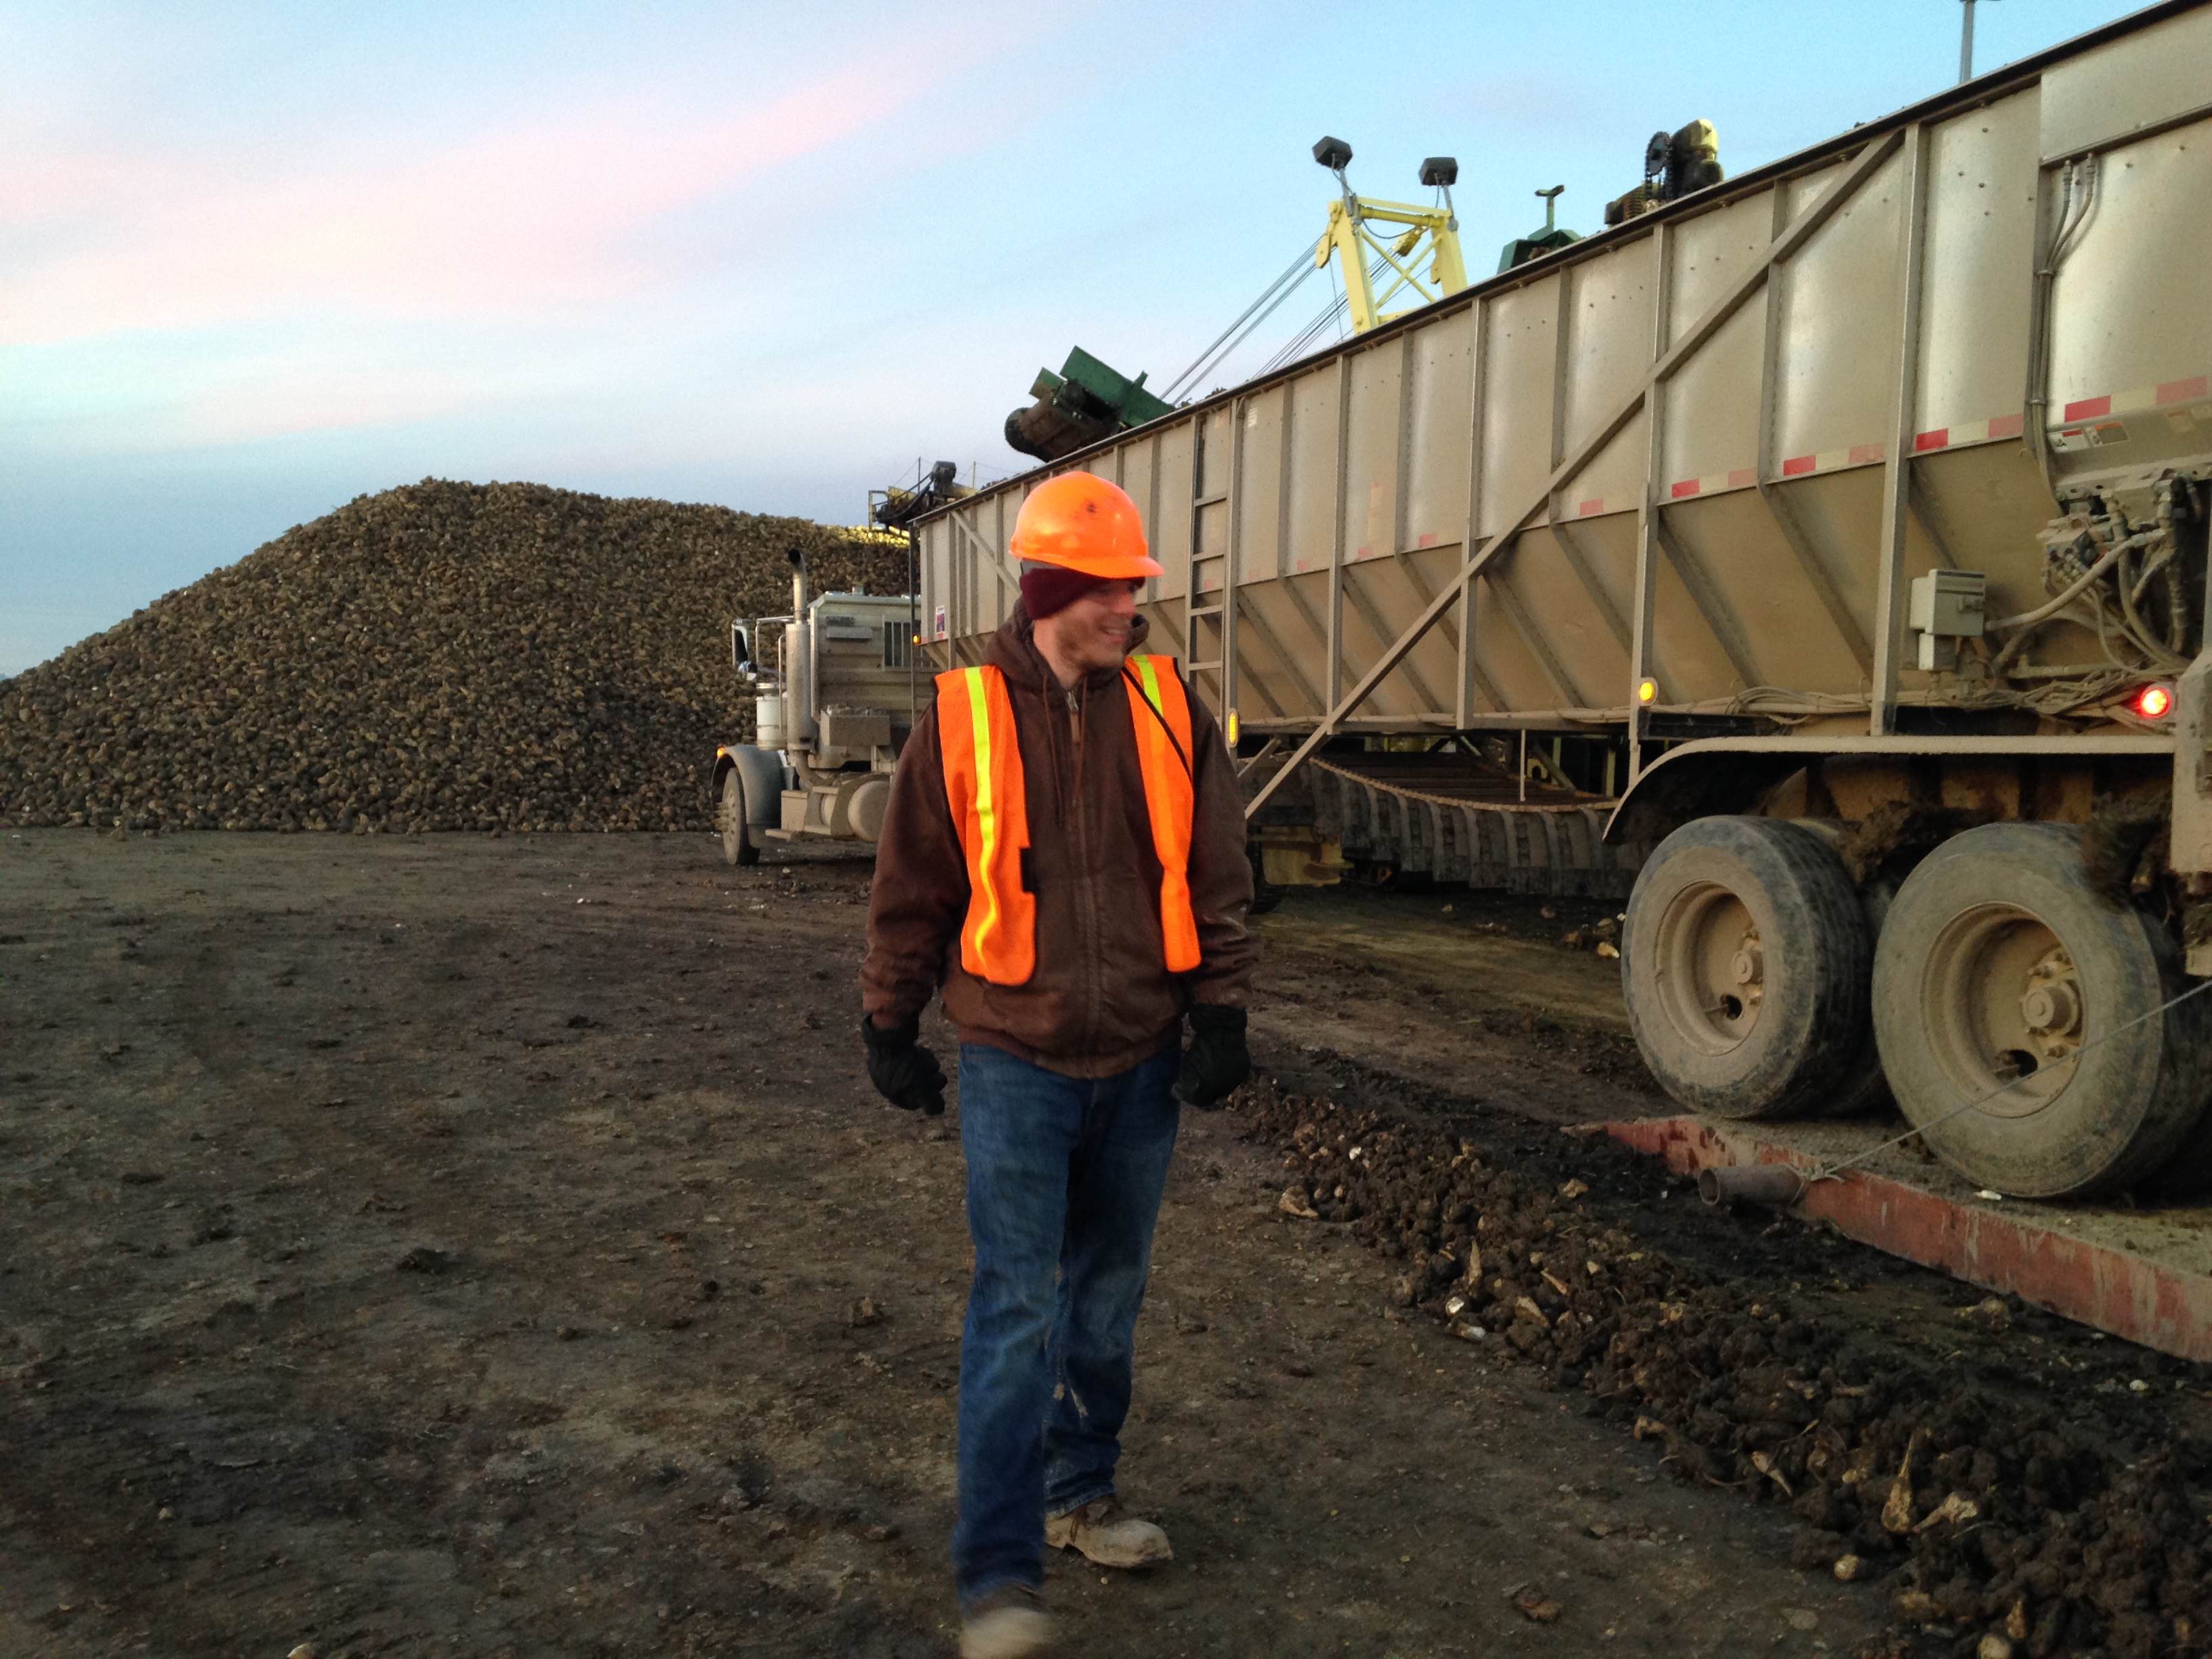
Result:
x=1817 y=561
x=834 y=697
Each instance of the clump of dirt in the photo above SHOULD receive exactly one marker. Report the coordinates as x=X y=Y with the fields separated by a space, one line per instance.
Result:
x=2125 y=845
x=1897 y=834
x=442 y=656
x=2004 y=1520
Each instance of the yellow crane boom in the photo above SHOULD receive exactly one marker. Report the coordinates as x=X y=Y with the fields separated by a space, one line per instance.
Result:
x=1426 y=236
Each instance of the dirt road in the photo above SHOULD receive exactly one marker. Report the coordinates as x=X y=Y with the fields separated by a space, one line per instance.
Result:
x=491 y=1246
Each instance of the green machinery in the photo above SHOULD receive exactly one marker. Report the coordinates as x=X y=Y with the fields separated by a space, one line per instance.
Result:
x=1537 y=243
x=1086 y=401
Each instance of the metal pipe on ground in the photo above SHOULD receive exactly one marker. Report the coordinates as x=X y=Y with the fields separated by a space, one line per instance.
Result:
x=1777 y=1185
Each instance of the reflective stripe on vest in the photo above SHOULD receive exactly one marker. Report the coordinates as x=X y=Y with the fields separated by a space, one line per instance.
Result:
x=986 y=789
x=990 y=810
x=1163 y=750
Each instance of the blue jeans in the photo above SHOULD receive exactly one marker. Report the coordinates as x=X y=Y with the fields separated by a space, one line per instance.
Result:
x=1064 y=1183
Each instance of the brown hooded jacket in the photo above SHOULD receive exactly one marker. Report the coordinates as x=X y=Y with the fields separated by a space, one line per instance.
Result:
x=1102 y=999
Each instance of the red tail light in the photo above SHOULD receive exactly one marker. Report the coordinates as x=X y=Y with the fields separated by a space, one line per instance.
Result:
x=2153 y=701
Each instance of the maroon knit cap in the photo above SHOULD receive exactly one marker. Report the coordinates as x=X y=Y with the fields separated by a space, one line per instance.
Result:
x=1049 y=588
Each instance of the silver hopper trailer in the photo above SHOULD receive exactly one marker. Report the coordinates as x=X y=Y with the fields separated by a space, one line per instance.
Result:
x=1835 y=538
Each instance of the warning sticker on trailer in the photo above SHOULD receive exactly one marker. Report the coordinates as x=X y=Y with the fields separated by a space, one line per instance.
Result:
x=940 y=621
x=2096 y=434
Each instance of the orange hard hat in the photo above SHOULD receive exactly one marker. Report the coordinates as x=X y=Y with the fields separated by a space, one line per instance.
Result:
x=1080 y=522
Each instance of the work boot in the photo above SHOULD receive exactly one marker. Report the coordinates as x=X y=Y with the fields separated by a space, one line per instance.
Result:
x=1005 y=1623
x=1107 y=1536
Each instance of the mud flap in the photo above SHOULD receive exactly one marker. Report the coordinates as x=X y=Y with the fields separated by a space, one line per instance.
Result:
x=2191 y=855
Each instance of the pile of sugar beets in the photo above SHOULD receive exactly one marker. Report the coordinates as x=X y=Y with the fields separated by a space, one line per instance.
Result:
x=441 y=656
x=2006 y=1515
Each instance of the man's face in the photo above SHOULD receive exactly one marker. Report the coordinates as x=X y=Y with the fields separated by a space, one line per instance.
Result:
x=1093 y=633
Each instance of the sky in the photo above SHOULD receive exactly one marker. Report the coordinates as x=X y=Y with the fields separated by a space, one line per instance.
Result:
x=258 y=260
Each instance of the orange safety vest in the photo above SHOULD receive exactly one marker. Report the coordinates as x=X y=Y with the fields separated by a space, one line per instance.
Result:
x=988 y=796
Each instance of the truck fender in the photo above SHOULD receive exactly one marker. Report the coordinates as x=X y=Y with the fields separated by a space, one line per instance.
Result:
x=1697 y=779
x=761 y=776
x=1724 y=775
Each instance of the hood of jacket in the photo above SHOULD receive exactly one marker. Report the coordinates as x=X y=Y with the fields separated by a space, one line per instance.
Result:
x=1013 y=652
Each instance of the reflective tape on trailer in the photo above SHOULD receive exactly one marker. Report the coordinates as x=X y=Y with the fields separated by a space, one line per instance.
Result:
x=2088 y=421
x=1968 y=431
x=1713 y=483
x=1835 y=460
x=2096 y=423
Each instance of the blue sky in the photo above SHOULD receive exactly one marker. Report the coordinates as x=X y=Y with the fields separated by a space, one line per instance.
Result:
x=256 y=259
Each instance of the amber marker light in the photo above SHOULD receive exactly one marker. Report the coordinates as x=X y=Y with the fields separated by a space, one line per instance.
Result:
x=1232 y=728
x=2154 y=702
x=1647 y=690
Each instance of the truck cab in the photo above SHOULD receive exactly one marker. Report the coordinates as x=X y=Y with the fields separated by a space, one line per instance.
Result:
x=834 y=691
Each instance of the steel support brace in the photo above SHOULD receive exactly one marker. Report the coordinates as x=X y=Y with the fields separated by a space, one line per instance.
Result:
x=1647 y=514
x=1232 y=552
x=1401 y=458
x=1247 y=766
x=1562 y=356
x=1470 y=675
x=1856 y=174
x=1897 y=461
x=1335 y=617
x=986 y=557
x=1151 y=508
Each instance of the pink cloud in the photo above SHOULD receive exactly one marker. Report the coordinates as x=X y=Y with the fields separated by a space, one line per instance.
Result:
x=288 y=405
x=527 y=221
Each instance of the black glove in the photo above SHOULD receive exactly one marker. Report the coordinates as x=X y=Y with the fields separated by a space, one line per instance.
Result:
x=904 y=1072
x=1217 y=1059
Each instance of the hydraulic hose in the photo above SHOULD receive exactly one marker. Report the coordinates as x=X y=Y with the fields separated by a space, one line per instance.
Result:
x=2081 y=586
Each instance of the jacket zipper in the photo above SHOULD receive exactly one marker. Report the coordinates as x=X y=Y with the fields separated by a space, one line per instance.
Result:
x=1086 y=884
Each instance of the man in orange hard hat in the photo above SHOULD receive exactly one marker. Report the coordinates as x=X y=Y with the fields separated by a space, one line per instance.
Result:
x=1064 y=857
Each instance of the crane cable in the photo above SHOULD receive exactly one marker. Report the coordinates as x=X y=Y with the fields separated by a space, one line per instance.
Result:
x=1271 y=297
x=1299 y=343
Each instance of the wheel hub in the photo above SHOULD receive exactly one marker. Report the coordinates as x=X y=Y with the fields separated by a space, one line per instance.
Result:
x=2005 y=1009
x=1749 y=966
x=2052 y=1005
x=1713 y=966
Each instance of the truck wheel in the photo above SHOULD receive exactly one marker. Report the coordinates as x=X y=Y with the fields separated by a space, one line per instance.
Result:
x=1744 y=966
x=738 y=846
x=1999 y=965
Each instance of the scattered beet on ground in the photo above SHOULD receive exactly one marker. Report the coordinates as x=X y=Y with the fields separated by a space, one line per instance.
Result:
x=2021 y=1486
x=441 y=656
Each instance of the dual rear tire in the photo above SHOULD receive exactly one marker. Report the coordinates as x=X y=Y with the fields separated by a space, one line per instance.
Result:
x=1744 y=964
x=2020 y=1024
x=1995 y=994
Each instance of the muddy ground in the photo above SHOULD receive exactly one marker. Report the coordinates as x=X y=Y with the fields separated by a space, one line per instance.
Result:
x=491 y=1245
